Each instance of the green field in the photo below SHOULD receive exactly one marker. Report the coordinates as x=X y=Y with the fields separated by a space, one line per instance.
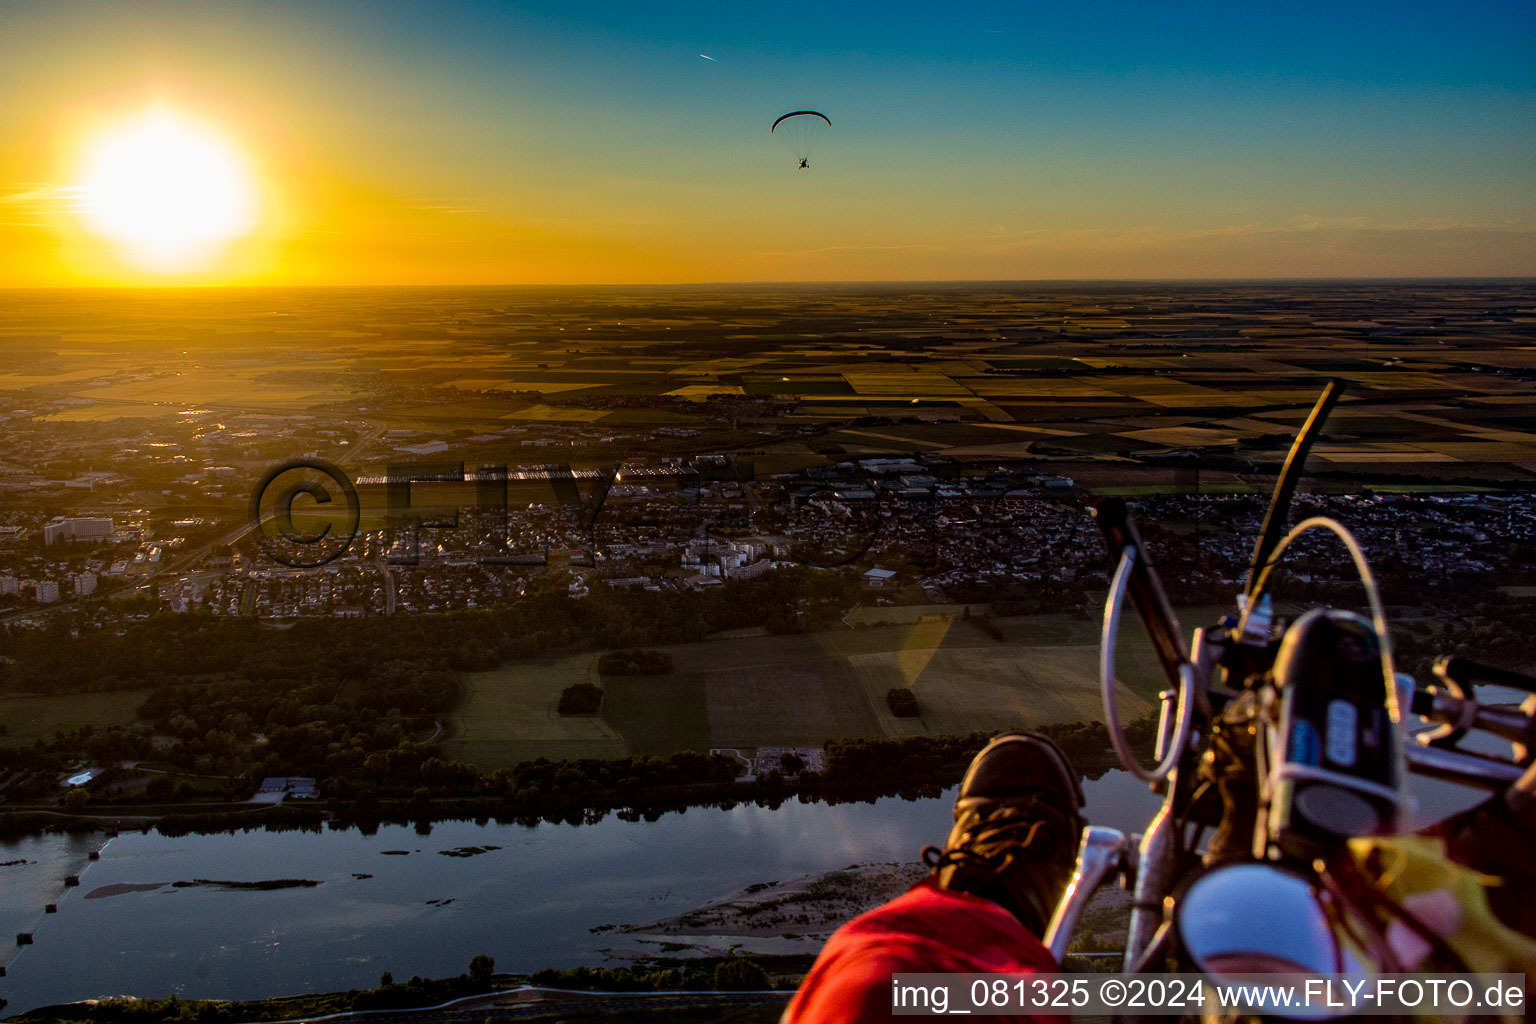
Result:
x=509 y=716
x=28 y=719
x=906 y=614
x=805 y=690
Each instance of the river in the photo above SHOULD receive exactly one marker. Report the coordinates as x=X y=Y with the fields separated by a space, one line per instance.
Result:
x=530 y=897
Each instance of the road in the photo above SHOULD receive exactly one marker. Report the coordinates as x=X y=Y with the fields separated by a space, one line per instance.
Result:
x=382 y=564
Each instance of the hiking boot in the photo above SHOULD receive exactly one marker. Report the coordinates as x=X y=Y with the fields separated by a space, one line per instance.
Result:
x=1018 y=821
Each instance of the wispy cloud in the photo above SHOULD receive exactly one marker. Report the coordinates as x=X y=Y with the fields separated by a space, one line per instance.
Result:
x=1154 y=236
x=457 y=210
x=33 y=195
x=1302 y=246
x=30 y=204
x=826 y=250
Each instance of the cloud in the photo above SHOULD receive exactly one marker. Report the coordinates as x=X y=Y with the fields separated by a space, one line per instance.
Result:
x=42 y=197
x=33 y=204
x=826 y=250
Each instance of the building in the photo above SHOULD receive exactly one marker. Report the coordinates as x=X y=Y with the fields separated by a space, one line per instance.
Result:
x=98 y=529
x=276 y=789
x=47 y=591
x=9 y=585
x=427 y=448
x=753 y=570
x=85 y=584
x=699 y=581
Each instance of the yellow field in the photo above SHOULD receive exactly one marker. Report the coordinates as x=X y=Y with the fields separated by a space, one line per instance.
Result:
x=1171 y=392
x=995 y=688
x=1482 y=451
x=903 y=385
x=17 y=381
x=703 y=391
x=104 y=412
x=207 y=387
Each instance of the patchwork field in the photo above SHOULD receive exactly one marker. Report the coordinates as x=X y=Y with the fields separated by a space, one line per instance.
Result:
x=1084 y=376
x=805 y=690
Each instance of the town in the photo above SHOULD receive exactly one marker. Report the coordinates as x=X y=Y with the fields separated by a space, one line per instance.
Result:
x=914 y=528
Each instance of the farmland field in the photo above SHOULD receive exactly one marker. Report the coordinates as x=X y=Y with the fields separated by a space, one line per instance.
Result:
x=509 y=716
x=804 y=690
x=658 y=714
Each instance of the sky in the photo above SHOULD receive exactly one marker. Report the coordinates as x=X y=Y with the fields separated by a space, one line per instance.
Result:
x=570 y=143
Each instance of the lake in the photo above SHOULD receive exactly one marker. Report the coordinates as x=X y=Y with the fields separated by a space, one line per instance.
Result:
x=431 y=902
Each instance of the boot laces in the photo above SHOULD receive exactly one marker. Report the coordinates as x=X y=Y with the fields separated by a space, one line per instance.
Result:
x=993 y=842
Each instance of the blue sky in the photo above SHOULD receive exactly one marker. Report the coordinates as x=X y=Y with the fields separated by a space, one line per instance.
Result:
x=988 y=140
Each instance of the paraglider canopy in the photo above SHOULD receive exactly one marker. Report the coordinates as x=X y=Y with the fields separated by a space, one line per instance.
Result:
x=800 y=129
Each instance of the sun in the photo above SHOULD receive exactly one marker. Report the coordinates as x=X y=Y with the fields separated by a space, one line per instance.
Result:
x=170 y=191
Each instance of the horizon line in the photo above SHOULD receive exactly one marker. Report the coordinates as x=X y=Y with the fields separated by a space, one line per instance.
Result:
x=888 y=282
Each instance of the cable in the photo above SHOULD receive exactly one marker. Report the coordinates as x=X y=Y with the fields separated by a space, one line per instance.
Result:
x=1184 y=716
x=1372 y=597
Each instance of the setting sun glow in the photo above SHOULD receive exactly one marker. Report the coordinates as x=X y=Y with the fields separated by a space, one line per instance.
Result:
x=166 y=189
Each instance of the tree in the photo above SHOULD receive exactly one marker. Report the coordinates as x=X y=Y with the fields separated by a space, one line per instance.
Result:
x=581 y=699
x=481 y=969
x=740 y=975
x=386 y=979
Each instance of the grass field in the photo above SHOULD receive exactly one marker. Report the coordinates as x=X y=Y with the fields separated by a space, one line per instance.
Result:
x=28 y=719
x=659 y=714
x=906 y=614
x=509 y=716
x=795 y=701
x=804 y=690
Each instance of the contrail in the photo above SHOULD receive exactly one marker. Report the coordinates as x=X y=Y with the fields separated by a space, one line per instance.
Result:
x=708 y=57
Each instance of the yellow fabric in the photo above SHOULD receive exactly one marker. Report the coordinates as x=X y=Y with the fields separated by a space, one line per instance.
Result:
x=1405 y=867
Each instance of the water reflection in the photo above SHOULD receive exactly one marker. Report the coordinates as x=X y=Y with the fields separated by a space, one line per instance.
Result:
x=393 y=900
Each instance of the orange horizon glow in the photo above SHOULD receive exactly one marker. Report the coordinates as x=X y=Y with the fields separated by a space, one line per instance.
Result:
x=232 y=211
x=348 y=144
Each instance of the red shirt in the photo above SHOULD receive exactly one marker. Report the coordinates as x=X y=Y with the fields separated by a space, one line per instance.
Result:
x=927 y=930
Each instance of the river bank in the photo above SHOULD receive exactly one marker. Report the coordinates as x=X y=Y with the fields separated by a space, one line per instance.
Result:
x=577 y=792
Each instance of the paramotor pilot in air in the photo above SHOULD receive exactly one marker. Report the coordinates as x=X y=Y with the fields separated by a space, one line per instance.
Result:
x=799 y=129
